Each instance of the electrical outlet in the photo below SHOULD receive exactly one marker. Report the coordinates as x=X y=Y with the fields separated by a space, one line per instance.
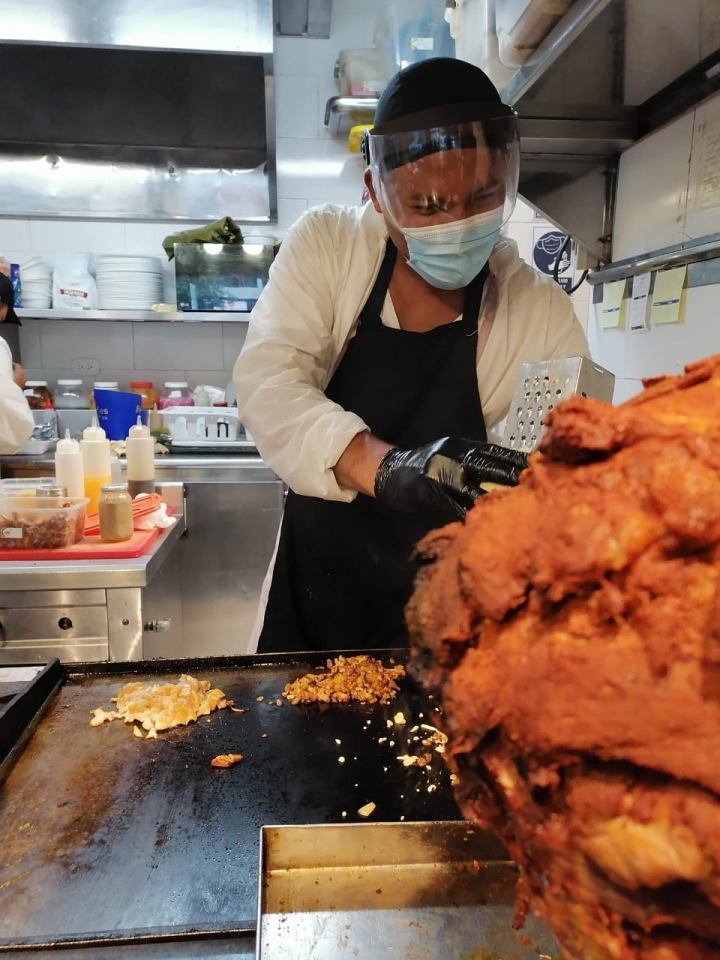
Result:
x=86 y=367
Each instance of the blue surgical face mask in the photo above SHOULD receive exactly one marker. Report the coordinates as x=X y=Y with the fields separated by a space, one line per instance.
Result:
x=450 y=255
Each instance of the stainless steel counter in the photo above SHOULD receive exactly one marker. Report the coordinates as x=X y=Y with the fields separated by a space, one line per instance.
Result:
x=232 y=462
x=233 y=504
x=95 y=609
x=91 y=574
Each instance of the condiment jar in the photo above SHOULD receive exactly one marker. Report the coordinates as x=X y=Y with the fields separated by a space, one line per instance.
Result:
x=102 y=385
x=71 y=395
x=38 y=396
x=115 y=513
x=146 y=390
x=176 y=394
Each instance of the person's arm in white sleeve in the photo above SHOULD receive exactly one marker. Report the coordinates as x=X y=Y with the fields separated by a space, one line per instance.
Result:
x=565 y=336
x=16 y=419
x=281 y=372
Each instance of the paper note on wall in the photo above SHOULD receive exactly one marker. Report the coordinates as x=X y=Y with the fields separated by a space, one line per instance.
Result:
x=638 y=319
x=667 y=296
x=613 y=304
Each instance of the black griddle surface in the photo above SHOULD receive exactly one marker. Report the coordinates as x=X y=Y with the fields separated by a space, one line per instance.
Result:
x=104 y=834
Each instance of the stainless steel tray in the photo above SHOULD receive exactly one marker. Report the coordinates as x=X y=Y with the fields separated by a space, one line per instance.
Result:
x=415 y=891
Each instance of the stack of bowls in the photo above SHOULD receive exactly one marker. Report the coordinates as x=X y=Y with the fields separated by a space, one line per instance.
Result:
x=36 y=283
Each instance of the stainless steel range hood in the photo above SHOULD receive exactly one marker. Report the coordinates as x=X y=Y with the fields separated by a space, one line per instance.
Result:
x=611 y=72
x=137 y=108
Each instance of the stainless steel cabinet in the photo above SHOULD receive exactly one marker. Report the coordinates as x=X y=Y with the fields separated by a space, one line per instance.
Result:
x=234 y=506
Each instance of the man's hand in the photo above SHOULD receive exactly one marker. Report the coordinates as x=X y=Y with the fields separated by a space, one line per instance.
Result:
x=19 y=375
x=443 y=479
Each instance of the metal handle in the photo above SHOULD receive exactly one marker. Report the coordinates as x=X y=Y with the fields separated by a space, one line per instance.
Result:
x=157 y=626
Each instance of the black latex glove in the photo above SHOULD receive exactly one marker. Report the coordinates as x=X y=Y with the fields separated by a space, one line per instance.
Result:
x=442 y=480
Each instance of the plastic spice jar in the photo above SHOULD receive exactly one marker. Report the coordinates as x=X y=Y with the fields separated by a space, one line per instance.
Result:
x=146 y=390
x=102 y=385
x=115 y=513
x=38 y=396
x=71 y=395
x=176 y=394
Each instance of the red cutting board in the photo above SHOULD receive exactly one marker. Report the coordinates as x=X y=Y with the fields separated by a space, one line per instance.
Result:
x=91 y=548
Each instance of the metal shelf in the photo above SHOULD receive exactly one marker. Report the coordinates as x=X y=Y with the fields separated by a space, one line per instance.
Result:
x=134 y=316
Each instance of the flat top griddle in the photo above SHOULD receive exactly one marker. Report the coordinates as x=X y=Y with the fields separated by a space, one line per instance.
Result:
x=105 y=837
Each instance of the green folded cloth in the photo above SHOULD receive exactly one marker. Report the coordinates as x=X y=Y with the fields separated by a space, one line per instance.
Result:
x=222 y=231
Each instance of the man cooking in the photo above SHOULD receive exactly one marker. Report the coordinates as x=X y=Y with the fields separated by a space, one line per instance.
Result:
x=386 y=345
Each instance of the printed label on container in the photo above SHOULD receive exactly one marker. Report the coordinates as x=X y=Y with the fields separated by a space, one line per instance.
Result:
x=68 y=292
x=12 y=533
x=421 y=43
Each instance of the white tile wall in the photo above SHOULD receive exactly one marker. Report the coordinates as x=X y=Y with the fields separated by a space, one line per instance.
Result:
x=666 y=349
x=167 y=346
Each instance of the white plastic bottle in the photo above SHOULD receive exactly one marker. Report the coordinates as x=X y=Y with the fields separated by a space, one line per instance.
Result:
x=69 y=471
x=95 y=449
x=140 y=454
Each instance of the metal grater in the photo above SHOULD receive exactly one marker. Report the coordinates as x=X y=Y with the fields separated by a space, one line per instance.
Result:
x=540 y=389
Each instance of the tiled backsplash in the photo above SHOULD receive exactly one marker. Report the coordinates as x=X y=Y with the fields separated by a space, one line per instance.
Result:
x=197 y=352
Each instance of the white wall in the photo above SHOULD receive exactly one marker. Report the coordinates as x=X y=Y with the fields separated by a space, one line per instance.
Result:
x=659 y=205
x=312 y=167
x=665 y=349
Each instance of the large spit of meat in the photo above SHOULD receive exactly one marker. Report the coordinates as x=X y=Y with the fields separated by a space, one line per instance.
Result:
x=570 y=630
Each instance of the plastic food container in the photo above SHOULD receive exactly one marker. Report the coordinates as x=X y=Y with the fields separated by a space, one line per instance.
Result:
x=30 y=522
x=101 y=385
x=71 y=395
x=202 y=424
x=361 y=72
x=176 y=394
x=146 y=390
x=31 y=486
x=37 y=394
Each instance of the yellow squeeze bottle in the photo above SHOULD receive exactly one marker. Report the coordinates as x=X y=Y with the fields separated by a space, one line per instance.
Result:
x=95 y=449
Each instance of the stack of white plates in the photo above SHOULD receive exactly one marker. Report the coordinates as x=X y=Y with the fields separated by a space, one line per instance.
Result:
x=36 y=283
x=129 y=283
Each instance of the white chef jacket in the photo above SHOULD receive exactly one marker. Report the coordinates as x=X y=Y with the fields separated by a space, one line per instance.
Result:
x=16 y=419
x=304 y=318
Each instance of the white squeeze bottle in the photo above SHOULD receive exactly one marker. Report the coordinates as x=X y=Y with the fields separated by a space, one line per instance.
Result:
x=69 y=471
x=95 y=449
x=140 y=454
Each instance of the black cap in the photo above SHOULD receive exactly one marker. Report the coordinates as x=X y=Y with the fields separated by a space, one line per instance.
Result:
x=7 y=296
x=437 y=92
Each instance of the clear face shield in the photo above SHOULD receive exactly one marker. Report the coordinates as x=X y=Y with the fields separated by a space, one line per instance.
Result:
x=448 y=190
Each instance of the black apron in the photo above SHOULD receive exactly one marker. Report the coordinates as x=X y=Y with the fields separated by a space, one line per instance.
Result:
x=343 y=571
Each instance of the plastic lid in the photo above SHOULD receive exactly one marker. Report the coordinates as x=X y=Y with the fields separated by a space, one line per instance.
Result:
x=67 y=444
x=36 y=383
x=138 y=430
x=114 y=488
x=94 y=432
x=141 y=383
x=106 y=384
x=176 y=384
x=69 y=383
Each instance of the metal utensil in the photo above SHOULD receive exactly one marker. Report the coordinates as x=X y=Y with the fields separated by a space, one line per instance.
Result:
x=542 y=386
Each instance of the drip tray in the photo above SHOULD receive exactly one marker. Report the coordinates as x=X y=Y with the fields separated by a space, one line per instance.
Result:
x=363 y=891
